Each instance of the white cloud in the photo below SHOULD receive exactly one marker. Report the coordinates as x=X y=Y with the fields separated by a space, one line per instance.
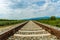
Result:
x=32 y=10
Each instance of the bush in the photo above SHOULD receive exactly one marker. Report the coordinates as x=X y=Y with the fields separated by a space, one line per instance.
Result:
x=53 y=18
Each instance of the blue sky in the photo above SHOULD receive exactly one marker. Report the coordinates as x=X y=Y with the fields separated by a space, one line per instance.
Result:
x=25 y=9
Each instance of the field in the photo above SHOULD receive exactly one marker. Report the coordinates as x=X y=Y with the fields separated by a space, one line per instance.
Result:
x=4 y=22
x=51 y=22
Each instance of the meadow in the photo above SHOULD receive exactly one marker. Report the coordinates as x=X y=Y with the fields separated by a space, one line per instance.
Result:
x=5 y=22
x=55 y=22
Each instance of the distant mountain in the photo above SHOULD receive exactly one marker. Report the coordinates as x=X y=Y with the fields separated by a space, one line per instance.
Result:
x=38 y=18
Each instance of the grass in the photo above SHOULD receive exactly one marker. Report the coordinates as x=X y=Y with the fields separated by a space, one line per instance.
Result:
x=4 y=22
x=51 y=22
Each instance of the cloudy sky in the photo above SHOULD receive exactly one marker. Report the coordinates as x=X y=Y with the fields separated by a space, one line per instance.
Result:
x=24 y=9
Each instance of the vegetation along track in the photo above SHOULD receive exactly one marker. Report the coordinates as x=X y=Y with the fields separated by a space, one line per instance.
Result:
x=32 y=31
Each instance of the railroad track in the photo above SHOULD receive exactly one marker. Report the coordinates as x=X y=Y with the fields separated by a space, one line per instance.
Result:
x=5 y=34
x=32 y=31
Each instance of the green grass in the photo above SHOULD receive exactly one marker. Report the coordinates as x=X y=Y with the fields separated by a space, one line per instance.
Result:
x=51 y=22
x=9 y=22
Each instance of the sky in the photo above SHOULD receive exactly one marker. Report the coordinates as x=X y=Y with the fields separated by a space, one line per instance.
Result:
x=25 y=9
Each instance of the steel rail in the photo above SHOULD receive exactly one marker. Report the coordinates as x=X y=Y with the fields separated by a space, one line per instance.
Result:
x=50 y=29
x=7 y=34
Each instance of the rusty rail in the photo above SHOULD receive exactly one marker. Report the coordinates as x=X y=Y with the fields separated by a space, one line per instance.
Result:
x=49 y=29
x=9 y=33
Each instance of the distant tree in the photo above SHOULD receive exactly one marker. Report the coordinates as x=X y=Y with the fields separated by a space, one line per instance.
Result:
x=53 y=18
